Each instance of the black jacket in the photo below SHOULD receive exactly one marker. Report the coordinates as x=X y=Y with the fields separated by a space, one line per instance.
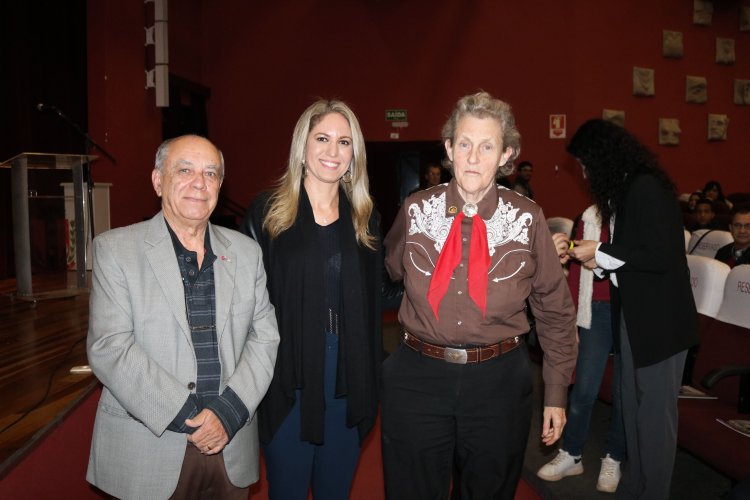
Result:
x=654 y=293
x=725 y=253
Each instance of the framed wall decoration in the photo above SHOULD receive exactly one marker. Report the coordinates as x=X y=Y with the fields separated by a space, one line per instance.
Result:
x=696 y=89
x=616 y=116
x=742 y=92
x=745 y=18
x=643 y=81
x=703 y=12
x=669 y=131
x=672 y=44
x=724 y=50
x=717 y=127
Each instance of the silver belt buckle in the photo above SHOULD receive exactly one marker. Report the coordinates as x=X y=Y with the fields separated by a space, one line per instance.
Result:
x=457 y=356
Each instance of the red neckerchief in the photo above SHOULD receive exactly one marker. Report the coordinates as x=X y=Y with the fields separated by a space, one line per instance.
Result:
x=450 y=257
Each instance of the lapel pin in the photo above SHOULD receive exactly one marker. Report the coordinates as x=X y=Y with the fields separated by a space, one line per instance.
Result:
x=452 y=209
x=224 y=257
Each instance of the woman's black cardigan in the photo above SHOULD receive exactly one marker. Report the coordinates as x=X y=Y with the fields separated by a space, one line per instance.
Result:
x=295 y=284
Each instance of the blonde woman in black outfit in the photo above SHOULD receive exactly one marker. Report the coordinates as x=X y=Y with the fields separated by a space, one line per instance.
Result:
x=321 y=248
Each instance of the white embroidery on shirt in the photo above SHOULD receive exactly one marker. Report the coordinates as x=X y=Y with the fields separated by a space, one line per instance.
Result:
x=426 y=273
x=501 y=259
x=504 y=226
x=520 y=266
x=431 y=220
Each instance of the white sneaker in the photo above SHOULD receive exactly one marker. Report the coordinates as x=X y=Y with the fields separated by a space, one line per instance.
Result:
x=609 y=475
x=561 y=466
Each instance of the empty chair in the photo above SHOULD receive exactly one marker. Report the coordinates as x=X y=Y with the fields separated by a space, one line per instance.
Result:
x=706 y=243
x=735 y=305
x=722 y=368
x=560 y=225
x=707 y=276
x=727 y=338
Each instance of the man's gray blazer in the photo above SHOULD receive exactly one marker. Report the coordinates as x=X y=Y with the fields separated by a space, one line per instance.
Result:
x=140 y=348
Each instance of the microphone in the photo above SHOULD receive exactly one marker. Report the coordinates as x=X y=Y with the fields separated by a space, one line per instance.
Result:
x=51 y=107
x=48 y=107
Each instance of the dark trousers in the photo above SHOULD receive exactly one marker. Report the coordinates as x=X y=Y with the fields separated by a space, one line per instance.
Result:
x=433 y=411
x=293 y=465
x=649 y=409
x=205 y=477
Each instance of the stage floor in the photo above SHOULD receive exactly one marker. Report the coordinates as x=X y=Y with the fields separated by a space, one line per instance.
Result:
x=39 y=343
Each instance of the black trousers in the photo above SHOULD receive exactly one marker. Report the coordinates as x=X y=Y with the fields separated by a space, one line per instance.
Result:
x=433 y=411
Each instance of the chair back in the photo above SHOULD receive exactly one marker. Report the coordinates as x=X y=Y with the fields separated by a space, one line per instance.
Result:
x=688 y=235
x=560 y=225
x=707 y=277
x=735 y=304
x=727 y=339
x=706 y=243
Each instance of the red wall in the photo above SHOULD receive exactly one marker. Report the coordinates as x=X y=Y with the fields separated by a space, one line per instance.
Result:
x=123 y=117
x=265 y=62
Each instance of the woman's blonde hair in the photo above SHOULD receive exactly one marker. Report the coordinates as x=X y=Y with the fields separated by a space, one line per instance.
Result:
x=284 y=201
x=483 y=105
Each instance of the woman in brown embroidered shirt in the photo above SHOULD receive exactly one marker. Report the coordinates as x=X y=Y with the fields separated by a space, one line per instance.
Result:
x=470 y=254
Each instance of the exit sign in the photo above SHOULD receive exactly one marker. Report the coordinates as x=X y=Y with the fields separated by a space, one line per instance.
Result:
x=395 y=115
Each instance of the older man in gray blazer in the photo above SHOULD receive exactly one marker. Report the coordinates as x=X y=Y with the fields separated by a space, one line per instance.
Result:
x=183 y=338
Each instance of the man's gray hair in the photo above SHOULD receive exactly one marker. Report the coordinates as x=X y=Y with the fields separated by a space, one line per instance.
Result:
x=163 y=151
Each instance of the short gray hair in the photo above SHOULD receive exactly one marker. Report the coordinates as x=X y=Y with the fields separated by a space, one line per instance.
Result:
x=483 y=105
x=163 y=151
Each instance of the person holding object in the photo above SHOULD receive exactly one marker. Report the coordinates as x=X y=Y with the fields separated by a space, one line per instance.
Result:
x=183 y=338
x=595 y=343
x=320 y=237
x=470 y=253
x=562 y=244
x=653 y=311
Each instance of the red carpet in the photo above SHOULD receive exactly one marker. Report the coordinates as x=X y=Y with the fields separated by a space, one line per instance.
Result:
x=55 y=467
x=368 y=480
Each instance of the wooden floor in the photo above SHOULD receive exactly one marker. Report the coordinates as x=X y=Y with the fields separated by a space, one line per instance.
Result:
x=39 y=343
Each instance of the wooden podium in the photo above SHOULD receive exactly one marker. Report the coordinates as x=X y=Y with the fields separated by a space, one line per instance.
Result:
x=20 y=166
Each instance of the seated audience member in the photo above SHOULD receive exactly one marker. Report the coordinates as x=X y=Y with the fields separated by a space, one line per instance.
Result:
x=703 y=215
x=693 y=200
x=712 y=190
x=737 y=253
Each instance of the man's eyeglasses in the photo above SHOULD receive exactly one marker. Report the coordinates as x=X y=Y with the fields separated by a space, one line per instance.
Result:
x=737 y=226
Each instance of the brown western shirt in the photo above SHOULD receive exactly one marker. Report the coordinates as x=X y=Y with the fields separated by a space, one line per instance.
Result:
x=524 y=264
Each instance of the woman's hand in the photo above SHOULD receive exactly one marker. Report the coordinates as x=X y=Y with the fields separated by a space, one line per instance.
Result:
x=562 y=242
x=584 y=251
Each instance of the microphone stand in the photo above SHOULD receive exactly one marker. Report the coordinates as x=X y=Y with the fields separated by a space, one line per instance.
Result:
x=89 y=144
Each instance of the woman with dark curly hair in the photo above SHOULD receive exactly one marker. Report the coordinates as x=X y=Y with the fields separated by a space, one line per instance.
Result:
x=653 y=311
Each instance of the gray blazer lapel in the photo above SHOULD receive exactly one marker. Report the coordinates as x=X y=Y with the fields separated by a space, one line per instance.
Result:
x=224 y=274
x=163 y=262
